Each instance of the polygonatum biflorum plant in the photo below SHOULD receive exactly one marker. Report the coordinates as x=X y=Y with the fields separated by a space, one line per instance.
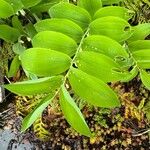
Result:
x=82 y=47
x=11 y=11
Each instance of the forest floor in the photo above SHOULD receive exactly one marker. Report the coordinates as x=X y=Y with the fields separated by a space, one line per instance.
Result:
x=124 y=128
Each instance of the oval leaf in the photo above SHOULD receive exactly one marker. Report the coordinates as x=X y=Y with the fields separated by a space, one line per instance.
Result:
x=16 y=23
x=44 y=6
x=99 y=65
x=143 y=58
x=30 y=3
x=18 y=48
x=30 y=30
x=37 y=111
x=8 y=33
x=77 y=14
x=95 y=91
x=113 y=27
x=55 y=41
x=72 y=113
x=145 y=77
x=6 y=9
x=116 y=11
x=14 y=67
x=140 y=32
x=44 y=62
x=38 y=86
x=132 y=74
x=90 y=5
x=16 y=5
x=104 y=45
x=64 y=26
x=139 y=44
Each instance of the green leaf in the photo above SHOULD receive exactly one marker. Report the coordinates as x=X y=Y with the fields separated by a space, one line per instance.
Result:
x=132 y=74
x=37 y=111
x=17 y=24
x=116 y=11
x=6 y=9
x=146 y=110
x=69 y=11
x=64 y=26
x=14 y=67
x=44 y=6
x=113 y=27
x=18 y=48
x=145 y=77
x=110 y=2
x=8 y=33
x=38 y=86
x=100 y=66
x=140 y=32
x=30 y=30
x=143 y=58
x=104 y=45
x=93 y=90
x=72 y=113
x=90 y=5
x=30 y=3
x=44 y=62
x=55 y=41
x=15 y=4
x=138 y=45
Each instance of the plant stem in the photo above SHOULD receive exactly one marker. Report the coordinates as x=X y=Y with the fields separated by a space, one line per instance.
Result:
x=72 y=62
x=78 y=50
x=136 y=65
x=139 y=134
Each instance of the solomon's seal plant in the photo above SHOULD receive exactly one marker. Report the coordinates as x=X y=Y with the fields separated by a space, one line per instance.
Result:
x=82 y=48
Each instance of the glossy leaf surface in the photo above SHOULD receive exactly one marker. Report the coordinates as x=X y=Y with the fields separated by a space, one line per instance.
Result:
x=99 y=65
x=138 y=45
x=90 y=5
x=69 y=11
x=104 y=45
x=143 y=58
x=6 y=9
x=93 y=90
x=113 y=27
x=72 y=113
x=64 y=26
x=55 y=41
x=38 y=86
x=44 y=62
x=116 y=11
x=145 y=77
x=140 y=32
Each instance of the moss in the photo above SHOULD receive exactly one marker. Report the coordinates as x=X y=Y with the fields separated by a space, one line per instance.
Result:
x=141 y=9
